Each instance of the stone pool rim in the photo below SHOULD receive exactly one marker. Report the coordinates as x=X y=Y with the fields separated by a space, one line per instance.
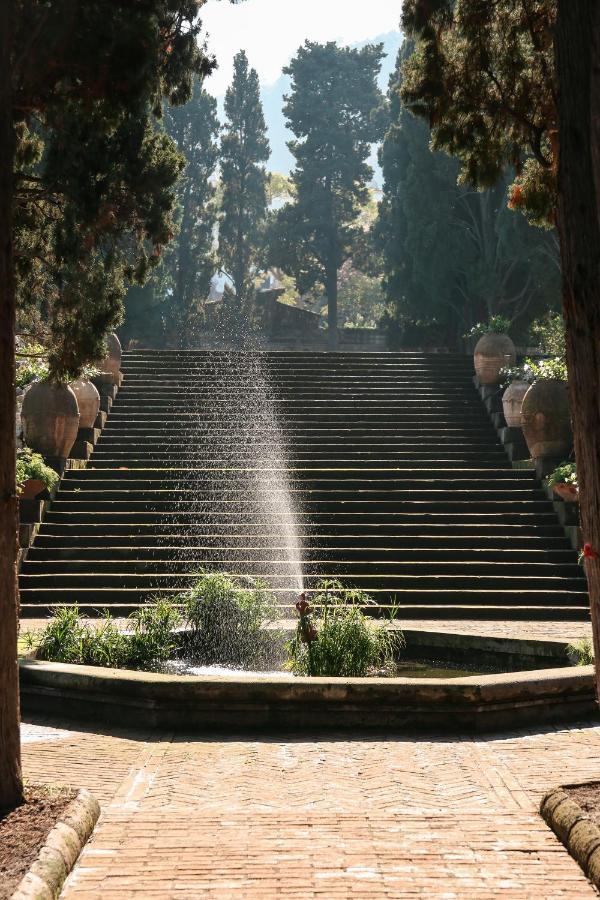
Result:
x=211 y=704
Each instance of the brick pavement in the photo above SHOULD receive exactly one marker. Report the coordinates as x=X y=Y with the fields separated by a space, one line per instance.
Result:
x=333 y=818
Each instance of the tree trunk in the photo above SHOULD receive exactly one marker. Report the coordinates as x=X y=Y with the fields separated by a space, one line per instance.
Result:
x=332 y=308
x=578 y=80
x=11 y=787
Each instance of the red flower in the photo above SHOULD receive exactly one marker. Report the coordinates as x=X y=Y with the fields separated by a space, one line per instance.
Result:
x=589 y=552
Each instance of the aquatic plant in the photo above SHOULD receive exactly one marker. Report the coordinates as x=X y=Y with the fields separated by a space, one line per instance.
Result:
x=225 y=620
x=335 y=638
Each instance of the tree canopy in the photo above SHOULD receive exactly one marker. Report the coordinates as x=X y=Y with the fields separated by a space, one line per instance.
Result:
x=452 y=255
x=482 y=75
x=332 y=111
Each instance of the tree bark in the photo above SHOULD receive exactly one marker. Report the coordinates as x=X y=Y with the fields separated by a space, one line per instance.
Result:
x=332 y=308
x=11 y=786
x=577 y=44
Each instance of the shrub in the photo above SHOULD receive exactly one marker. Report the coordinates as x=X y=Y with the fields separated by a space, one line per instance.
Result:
x=334 y=638
x=225 y=616
x=581 y=653
x=32 y=465
x=549 y=332
x=148 y=642
x=563 y=474
x=494 y=325
x=32 y=365
x=554 y=369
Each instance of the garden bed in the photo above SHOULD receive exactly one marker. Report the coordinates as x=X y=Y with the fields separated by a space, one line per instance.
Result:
x=24 y=830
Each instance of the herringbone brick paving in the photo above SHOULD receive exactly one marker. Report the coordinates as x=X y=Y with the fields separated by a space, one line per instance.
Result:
x=335 y=818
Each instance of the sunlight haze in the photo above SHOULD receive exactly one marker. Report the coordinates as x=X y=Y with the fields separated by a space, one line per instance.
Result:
x=272 y=30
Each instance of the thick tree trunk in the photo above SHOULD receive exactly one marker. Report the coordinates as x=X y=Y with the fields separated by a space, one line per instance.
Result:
x=11 y=788
x=332 y=308
x=578 y=81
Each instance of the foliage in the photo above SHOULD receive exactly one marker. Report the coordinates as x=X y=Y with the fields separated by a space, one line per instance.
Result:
x=244 y=150
x=553 y=369
x=31 y=465
x=147 y=642
x=494 y=325
x=511 y=374
x=362 y=303
x=563 y=474
x=226 y=617
x=343 y=642
x=482 y=75
x=32 y=364
x=452 y=255
x=191 y=261
x=581 y=652
x=549 y=332
x=331 y=109
x=94 y=176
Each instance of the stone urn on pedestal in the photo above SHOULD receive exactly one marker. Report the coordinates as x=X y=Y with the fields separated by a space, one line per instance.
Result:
x=50 y=418
x=112 y=361
x=546 y=420
x=512 y=402
x=493 y=353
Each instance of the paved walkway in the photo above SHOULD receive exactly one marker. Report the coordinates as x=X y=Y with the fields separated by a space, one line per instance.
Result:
x=333 y=818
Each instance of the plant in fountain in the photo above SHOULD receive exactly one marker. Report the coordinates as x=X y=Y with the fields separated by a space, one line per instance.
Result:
x=334 y=637
x=227 y=620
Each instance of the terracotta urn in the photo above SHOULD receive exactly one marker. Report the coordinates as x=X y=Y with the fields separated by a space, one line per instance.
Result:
x=31 y=488
x=112 y=361
x=88 y=401
x=567 y=492
x=50 y=418
x=492 y=353
x=512 y=401
x=546 y=420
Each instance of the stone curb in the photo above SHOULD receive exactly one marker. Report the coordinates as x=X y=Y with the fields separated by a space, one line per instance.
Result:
x=574 y=828
x=59 y=854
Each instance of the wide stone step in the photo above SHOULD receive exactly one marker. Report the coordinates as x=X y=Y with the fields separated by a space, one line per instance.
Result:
x=175 y=498
x=312 y=551
x=279 y=564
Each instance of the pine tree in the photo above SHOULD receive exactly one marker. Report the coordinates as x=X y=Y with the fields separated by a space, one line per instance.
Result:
x=330 y=110
x=191 y=261
x=244 y=151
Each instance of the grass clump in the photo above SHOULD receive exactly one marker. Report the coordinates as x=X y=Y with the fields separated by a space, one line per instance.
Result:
x=225 y=619
x=146 y=642
x=334 y=638
x=581 y=652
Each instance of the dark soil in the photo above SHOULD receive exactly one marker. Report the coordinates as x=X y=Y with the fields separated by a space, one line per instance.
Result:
x=587 y=796
x=24 y=830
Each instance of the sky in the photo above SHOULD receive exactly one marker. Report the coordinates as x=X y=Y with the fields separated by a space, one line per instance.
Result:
x=272 y=30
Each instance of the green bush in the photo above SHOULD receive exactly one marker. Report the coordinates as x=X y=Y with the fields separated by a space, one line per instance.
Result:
x=581 y=653
x=549 y=333
x=146 y=643
x=32 y=465
x=225 y=618
x=564 y=474
x=554 y=369
x=32 y=365
x=345 y=643
x=494 y=325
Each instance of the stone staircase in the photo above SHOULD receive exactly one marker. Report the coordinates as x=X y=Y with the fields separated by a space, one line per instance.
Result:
x=398 y=480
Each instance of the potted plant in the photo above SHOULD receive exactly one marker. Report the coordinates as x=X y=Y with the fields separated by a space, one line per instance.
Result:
x=33 y=475
x=50 y=418
x=516 y=381
x=563 y=481
x=494 y=350
x=545 y=414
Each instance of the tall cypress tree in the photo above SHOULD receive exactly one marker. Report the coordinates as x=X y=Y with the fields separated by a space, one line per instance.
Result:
x=331 y=111
x=192 y=260
x=244 y=151
x=453 y=256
